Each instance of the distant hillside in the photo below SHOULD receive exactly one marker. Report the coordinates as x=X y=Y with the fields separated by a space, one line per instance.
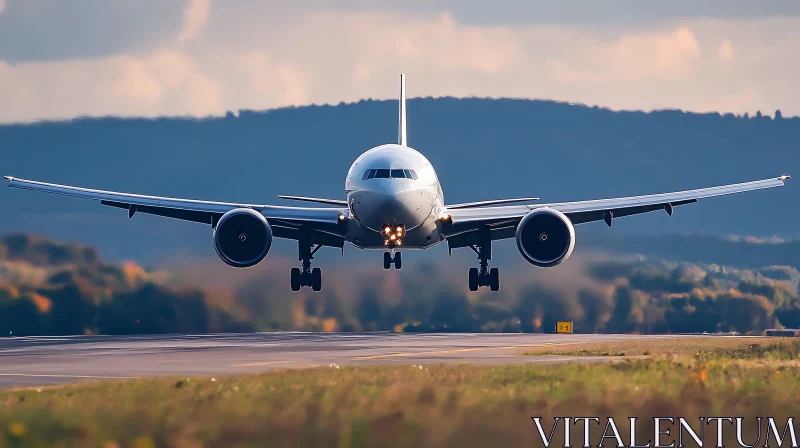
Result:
x=737 y=252
x=482 y=149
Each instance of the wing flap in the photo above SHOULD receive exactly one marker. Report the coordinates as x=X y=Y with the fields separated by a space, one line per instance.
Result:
x=127 y=198
x=338 y=202
x=184 y=215
x=464 y=220
x=487 y=203
x=664 y=198
x=184 y=209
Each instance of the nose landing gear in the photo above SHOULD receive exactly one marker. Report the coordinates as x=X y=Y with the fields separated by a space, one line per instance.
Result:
x=392 y=238
x=389 y=260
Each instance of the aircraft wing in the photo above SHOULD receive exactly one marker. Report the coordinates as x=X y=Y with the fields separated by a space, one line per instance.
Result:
x=325 y=224
x=464 y=223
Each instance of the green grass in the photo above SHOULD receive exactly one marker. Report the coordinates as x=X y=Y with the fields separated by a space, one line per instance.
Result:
x=437 y=406
x=698 y=347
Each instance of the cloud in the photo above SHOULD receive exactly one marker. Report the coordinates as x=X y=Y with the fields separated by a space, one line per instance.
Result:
x=632 y=57
x=281 y=85
x=195 y=17
x=324 y=56
x=725 y=51
x=2 y=6
x=163 y=82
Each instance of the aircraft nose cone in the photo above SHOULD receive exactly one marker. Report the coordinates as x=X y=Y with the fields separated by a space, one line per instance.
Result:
x=391 y=190
x=386 y=203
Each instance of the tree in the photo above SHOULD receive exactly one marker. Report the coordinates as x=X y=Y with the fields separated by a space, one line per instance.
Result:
x=778 y=115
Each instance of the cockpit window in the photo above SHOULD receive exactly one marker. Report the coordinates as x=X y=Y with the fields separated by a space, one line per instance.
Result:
x=386 y=174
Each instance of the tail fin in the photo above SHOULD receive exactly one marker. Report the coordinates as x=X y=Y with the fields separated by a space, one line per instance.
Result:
x=401 y=128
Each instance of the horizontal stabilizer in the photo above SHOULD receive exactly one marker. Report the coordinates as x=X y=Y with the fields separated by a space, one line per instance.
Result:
x=317 y=200
x=485 y=203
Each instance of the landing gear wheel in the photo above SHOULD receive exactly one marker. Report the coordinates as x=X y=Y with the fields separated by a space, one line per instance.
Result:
x=398 y=260
x=295 y=279
x=316 y=279
x=483 y=276
x=494 y=279
x=387 y=260
x=473 y=279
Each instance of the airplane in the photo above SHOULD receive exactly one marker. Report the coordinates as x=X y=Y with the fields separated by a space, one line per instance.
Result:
x=394 y=202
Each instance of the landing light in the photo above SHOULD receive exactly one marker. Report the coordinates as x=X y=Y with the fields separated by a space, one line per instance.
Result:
x=393 y=237
x=445 y=217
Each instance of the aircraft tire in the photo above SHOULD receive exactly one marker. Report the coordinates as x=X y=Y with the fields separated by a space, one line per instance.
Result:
x=398 y=260
x=316 y=279
x=473 y=279
x=387 y=260
x=494 y=279
x=295 y=279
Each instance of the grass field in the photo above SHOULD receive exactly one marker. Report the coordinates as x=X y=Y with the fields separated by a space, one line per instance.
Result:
x=698 y=347
x=437 y=406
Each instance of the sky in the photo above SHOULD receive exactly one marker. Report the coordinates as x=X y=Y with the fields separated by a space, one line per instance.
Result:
x=61 y=59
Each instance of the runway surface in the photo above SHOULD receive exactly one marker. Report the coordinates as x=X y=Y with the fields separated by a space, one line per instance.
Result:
x=41 y=361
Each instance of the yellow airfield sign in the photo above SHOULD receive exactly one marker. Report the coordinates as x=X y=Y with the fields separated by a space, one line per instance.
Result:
x=563 y=327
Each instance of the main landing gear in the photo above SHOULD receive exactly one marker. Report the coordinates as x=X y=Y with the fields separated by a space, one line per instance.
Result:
x=389 y=260
x=484 y=276
x=306 y=276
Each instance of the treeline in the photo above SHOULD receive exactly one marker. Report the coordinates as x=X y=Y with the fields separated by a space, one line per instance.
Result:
x=49 y=288
x=622 y=297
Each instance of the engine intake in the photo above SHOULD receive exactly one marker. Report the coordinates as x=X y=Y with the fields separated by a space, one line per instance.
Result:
x=242 y=237
x=545 y=237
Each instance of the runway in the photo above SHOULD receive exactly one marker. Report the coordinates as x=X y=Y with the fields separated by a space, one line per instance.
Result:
x=42 y=361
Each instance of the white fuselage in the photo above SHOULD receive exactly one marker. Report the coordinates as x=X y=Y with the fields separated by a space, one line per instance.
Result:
x=403 y=190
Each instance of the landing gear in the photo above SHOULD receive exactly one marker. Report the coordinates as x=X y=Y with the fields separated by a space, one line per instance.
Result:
x=484 y=276
x=389 y=260
x=306 y=276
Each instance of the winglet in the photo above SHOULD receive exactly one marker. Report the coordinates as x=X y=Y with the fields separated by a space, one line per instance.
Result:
x=401 y=127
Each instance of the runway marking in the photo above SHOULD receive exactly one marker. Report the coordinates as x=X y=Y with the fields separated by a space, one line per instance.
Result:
x=45 y=375
x=257 y=364
x=459 y=350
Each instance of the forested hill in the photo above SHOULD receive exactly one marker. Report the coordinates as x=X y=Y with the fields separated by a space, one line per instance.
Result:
x=482 y=149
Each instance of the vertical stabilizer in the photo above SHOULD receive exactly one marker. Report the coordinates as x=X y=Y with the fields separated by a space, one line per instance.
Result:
x=401 y=128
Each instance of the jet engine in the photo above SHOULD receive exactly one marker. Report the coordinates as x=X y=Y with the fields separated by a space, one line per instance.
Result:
x=545 y=237
x=242 y=237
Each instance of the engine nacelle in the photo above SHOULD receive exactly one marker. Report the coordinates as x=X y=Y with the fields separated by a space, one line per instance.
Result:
x=545 y=237
x=242 y=237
